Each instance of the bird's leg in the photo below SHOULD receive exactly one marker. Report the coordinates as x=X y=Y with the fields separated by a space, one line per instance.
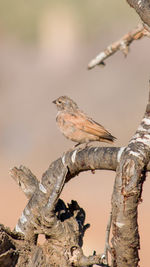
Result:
x=88 y=144
x=74 y=147
x=77 y=144
x=84 y=145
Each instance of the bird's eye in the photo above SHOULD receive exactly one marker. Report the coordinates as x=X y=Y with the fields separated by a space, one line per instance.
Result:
x=59 y=101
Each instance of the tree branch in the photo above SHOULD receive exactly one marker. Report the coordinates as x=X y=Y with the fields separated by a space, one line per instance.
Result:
x=121 y=45
x=45 y=214
x=25 y=179
x=90 y=158
x=43 y=200
x=56 y=221
x=142 y=7
x=130 y=175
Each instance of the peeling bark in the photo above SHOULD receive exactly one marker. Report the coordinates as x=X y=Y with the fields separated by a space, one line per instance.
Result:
x=63 y=226
x=142 y=7
x=130 y=175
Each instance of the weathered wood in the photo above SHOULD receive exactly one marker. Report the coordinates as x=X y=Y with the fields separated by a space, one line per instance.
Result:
x=142 y=7
x=130 y=175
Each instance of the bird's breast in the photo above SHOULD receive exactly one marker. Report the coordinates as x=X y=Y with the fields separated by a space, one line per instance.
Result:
x=65 y=126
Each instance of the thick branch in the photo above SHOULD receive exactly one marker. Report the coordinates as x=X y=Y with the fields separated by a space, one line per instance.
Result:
x=130 y=176
x=43 y=200
x=89 y=158
x=142 y=7
x=121 y=45
x=46 y=194
x=25 y=179
x=74 y=162
x=93 y=158
x=39 y=215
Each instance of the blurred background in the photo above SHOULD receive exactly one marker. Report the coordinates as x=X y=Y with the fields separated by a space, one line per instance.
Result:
x=45 y=47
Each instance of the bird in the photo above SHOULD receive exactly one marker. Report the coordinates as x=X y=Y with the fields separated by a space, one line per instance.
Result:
x=76 y=125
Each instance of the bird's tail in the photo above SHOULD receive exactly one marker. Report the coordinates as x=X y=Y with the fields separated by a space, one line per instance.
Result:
x=108 y=138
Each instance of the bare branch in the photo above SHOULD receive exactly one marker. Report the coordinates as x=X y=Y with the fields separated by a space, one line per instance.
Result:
x=90 y=158
x=77 y=160
x=142 y=7
x=56 y=222
x=130 y=176
x=46 y=193
x=121 y=45
x=25 y=179
x=43 y=200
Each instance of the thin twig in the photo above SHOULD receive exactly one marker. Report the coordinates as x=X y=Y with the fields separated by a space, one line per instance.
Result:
x=122 y=45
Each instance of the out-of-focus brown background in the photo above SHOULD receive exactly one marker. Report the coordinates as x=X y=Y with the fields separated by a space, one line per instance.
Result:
x=45 y=47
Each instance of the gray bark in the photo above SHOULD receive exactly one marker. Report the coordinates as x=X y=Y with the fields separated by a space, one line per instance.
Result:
x=142 y=7
x=63 y=225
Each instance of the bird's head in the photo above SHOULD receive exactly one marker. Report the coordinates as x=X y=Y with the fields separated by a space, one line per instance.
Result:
x=65 y=103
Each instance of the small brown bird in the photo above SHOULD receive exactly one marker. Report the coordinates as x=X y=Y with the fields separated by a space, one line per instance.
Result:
x=76 y=125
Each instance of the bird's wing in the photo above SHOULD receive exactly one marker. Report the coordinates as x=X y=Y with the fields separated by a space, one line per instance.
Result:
x=86 y=124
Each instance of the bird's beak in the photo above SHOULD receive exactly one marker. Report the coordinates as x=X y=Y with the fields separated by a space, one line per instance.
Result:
x=54 y=102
